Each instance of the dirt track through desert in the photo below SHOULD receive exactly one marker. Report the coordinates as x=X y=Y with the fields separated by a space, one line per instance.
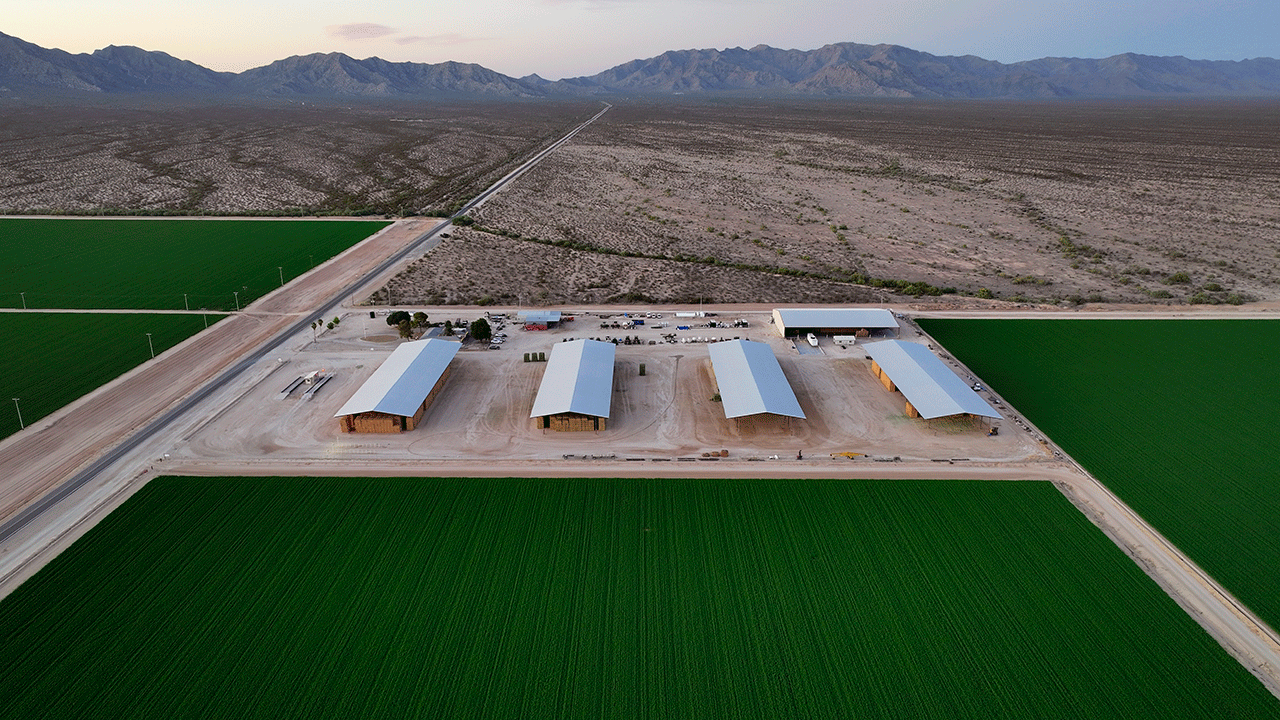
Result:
x=479 y=428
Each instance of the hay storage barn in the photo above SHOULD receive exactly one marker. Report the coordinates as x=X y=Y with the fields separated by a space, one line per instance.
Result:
x=931 y=389
x=395 y=397
x=753 y=390
x=791 y=322
x=577 y=389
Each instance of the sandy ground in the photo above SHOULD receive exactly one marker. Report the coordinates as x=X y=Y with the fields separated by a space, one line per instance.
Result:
x=49 y=451
x=666 y=414
x=661 y=425
x=630 y=188
x=783 y=202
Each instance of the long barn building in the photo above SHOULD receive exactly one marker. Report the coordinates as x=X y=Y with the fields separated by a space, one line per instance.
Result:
x=861 y=322
x=931 y=389
x=577 y=388
x=753 y=390
x=396 y=396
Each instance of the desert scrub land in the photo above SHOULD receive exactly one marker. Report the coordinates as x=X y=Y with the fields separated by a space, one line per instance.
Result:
x=1176 y=416
x=605 y=598
x=1030 y=201
x=475 y=267
x=137 y=155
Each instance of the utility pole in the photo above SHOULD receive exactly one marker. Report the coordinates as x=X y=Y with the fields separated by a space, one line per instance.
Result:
x=186 y=304
x=153 y=347
x=15 y=407
x=24 y=300
x=281 y=269
x=237 y=294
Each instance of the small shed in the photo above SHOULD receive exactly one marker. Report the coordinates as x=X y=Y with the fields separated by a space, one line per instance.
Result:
x=539 y=319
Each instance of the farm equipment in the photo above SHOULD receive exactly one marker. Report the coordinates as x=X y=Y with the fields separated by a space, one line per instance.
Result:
x=993 y=431
x=849 y=455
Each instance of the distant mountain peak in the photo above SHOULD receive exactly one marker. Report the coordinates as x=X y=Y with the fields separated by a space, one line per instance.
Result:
x=838 y=69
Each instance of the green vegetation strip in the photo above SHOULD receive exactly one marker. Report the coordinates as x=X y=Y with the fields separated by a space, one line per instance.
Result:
x=468 y=598
x=51 y=359
x=151 y=264
x=1178 y=417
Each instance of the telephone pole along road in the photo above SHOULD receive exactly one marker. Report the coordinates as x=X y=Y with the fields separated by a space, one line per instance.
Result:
x=49 y=461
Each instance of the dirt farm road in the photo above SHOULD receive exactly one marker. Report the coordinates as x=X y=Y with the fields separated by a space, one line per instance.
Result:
x=86 y=435
x=35 y=461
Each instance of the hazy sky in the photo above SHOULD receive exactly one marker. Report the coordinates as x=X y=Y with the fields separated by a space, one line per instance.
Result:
x=566 y=38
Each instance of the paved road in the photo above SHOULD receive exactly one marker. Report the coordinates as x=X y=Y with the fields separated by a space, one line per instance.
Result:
x=117 y=311
x=121 y=444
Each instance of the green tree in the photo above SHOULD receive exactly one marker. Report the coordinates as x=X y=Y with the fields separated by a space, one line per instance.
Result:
x=406 y=329
x=398 y=317
x=448 y=328
x=480 y=329
x=419 y=319
x=985 y=294
x=463 y=221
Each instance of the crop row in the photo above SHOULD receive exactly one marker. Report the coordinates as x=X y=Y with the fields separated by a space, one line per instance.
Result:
x=1178 y=417
x=161 y=264
x=51 y=359
x=471 y=598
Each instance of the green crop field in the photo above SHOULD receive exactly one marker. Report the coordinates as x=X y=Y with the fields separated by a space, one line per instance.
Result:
x=1178 y=417
x=478 y=598
x=150 y=264
x=51 y=359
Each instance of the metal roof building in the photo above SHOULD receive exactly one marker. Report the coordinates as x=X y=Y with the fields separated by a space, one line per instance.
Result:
x=395 y=396
x=545 y=317
x=931 y=388
x=577 y=389
x=750 y=380
x=832 y=321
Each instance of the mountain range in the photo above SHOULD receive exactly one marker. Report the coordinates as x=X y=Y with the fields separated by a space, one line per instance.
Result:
x=840 y=69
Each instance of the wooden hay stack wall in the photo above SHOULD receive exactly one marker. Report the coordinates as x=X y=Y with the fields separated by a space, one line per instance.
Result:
x=884 y=378
x=378 y=422
x=762 y=423
x=912 y=412
x=570 y=422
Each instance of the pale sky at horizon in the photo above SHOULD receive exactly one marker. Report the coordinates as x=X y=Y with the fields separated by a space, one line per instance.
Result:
x=569 y=38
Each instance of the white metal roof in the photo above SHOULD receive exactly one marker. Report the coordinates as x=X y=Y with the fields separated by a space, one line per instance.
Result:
x=404 y=380
x=928 y=384
x=836 y=318
x=539 y=316
x=579 y=379
x=751 y=380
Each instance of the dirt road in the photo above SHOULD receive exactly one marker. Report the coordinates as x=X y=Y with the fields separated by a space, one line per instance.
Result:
x=33 y=461
x=476 y=429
